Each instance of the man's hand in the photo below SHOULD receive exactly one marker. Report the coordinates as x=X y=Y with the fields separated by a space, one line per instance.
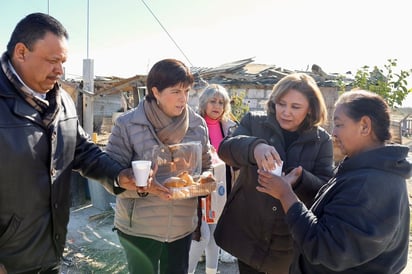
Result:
x=2 y=269
x=126 y=179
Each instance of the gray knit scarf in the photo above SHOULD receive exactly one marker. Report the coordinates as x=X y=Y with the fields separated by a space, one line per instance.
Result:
x=169 y=130
x=48 y=108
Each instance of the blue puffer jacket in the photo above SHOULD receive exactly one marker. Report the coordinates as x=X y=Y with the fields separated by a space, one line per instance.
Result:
x=360 y=220
x=252 y=226
x=35 y=170
x=133 y=138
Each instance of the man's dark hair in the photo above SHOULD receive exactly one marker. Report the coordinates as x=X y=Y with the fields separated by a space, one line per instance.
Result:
x=32 y=28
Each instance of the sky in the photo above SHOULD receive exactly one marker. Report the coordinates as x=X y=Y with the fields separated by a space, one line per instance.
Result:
x=124 y=37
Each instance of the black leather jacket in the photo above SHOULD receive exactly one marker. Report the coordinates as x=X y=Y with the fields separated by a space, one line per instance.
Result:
x=35 y=169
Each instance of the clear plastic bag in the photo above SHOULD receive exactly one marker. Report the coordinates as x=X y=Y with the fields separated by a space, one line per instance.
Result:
x=175 y=159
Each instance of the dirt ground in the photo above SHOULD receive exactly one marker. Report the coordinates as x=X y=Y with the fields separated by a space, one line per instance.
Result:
x=92 y=246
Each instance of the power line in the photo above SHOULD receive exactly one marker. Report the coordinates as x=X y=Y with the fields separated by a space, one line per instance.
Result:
x=171 y=38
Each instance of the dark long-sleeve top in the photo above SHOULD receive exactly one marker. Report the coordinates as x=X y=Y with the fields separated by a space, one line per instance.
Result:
x=359 y=222
x=252 y=226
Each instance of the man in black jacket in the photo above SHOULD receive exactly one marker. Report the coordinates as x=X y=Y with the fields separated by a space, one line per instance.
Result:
x=41 y=143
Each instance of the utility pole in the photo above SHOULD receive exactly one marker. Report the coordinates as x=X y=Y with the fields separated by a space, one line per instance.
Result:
x=88 y=86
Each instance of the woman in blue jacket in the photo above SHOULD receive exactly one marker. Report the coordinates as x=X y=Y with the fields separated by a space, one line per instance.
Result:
x=359 y=222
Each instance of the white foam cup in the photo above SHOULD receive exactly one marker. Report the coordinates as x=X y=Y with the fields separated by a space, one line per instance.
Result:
x=141 y=170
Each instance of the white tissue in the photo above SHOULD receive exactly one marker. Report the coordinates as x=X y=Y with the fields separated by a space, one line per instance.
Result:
x=278 y=170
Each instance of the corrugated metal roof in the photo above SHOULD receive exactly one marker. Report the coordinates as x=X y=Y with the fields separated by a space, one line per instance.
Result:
x=246 y=72
x=241 y=72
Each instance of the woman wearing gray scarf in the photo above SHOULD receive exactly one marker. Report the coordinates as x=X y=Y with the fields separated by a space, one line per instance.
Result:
x=151 y=224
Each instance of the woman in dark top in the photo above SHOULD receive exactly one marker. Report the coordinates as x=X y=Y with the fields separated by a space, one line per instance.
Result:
x=252 y=226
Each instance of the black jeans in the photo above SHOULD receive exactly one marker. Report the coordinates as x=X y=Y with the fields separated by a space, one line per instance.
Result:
x=143 y=253
x=247 y=269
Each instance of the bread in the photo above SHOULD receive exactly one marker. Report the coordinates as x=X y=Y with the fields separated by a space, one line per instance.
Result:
x=207 y=177
x=180 y=194
x=181 y=180
x=183 y=185
x=187 y=177
x=175 y=182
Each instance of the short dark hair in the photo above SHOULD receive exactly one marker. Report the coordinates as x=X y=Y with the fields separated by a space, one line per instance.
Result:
x=167 y=73
x=32 y=28
x=359 y=103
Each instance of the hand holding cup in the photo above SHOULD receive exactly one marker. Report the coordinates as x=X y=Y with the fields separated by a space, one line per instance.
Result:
x=141 y=171
x=145 y=179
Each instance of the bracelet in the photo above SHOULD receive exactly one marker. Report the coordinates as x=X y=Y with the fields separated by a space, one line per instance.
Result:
x=142 y=194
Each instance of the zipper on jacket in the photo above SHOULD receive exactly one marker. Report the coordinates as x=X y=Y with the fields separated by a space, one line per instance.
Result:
x=171 y=207
x=131 y=213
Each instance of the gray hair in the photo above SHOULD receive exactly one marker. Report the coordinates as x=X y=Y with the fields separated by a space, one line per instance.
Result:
x=211 y=91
